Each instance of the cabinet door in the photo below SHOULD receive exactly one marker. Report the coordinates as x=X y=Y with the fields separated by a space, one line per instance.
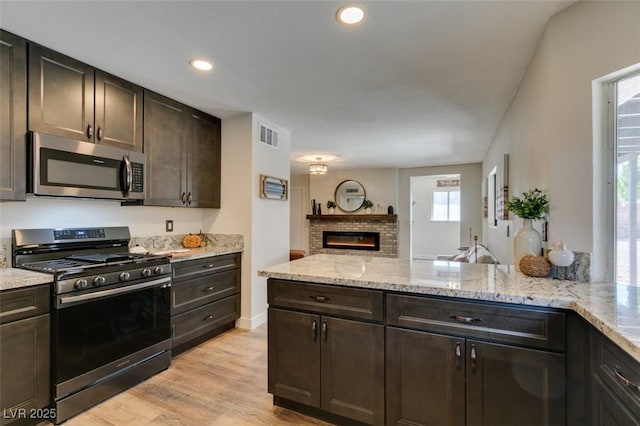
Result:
x=203 y=160
x=13 y=120
x=118 y=112
x=60 y=95
x=294 y=356
x=165 y=149
x=353 y=369
x=607 y=409
x=24 y=365
x=507 y=385
x=425 y=378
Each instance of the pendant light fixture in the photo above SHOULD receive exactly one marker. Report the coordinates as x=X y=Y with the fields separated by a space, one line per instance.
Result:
x=318 y=168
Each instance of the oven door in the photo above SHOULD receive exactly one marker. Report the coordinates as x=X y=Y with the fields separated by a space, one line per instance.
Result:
x=98 y=334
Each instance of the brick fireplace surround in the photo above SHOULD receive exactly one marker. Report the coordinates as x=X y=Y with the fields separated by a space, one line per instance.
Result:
x=386 y=225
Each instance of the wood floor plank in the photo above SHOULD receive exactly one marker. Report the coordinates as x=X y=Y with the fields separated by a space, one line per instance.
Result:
x=220 y=382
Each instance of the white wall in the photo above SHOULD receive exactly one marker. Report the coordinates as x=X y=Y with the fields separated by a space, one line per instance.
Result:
x=234 y=217
x=549 y=129
x=39 y=212
x=263 y=222
x=380 y=186
x=270 y=218
x=429 y=238
x=470 y=196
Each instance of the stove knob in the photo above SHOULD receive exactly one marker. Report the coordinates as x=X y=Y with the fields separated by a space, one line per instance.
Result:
x=146 y=272
x=124 y=276
x=158 y=270
x=80 y=284
x=98 y=281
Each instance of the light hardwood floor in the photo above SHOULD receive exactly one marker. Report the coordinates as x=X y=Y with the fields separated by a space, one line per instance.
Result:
x=220 y=382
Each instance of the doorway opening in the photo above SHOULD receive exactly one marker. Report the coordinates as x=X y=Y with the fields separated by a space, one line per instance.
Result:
x=434 y=215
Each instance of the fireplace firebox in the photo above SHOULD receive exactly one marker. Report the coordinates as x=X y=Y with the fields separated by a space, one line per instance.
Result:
x=351 y=240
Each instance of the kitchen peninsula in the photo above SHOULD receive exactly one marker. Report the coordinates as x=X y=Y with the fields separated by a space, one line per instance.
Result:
x=418 y=332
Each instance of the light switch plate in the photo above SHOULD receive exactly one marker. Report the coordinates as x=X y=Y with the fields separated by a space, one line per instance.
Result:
x=168 y=225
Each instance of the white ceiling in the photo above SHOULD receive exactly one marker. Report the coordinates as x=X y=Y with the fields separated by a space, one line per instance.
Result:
x=418 y=83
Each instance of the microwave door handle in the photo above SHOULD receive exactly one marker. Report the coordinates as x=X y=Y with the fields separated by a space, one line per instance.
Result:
x=128 y=175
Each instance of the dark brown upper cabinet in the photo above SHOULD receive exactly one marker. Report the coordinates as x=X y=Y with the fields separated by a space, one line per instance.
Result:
x=71 y=99
x=13 y=120
x=183 y=154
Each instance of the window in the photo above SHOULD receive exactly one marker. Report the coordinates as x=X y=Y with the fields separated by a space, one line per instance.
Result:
x=626 y=134
x=445 y=206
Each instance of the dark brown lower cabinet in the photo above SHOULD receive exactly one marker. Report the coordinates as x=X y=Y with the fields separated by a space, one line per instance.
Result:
x=505 y=385
x=508 y=385
x=24 y=356
x=205 y=299
x=425 y=378
x=615 y=383
x=334 y=364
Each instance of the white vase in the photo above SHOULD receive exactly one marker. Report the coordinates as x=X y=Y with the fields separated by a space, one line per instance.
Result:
x=526 y=241
x=332 y=210
x=560 y=255
x=367 y=210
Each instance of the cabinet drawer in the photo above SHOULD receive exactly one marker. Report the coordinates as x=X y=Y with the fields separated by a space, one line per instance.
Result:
x=24 y=303
x=617 y=370
x=199 y=291
x=201 y=320
x=210 y=265
x=326 y=299
x=515 y=325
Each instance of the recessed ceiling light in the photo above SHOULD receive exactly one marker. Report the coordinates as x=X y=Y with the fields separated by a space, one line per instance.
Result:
x=350 y=14
x=201 y=64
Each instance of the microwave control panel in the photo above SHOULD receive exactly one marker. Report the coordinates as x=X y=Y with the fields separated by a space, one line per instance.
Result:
x=137 y=181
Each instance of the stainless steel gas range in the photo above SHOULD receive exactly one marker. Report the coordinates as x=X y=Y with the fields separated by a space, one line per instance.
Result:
x=110 y=311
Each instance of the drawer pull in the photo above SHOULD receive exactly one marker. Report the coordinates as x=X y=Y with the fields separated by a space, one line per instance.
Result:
x=208 y=289
x=465 y=320
x=458 y=356
x=320 y=299
x=314 y=330
x=208 y=317
x=474 y=358
x=628 y=383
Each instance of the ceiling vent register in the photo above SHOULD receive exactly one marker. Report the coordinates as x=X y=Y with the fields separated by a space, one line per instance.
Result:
x=268 y=136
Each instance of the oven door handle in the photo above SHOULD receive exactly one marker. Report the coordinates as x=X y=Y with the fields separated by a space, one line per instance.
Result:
x=68 y=300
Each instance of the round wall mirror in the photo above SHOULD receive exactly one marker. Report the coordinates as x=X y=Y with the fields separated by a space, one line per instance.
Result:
x=349 y=196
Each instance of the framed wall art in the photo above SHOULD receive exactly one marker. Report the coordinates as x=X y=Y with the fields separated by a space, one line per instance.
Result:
x=274 y=188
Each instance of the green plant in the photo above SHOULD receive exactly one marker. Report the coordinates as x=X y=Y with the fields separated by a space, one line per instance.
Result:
x=533 y=204
x=331 y=204
x=367 y=204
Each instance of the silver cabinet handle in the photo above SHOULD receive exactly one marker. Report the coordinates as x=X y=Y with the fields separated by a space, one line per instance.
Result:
x=209 y=289
x=324 y=330
x=314 y=330
x=626 y=382
x=465 y=320
x=474 y=358
x=458 y=359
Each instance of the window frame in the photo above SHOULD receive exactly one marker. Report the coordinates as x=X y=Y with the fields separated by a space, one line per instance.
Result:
x=447 y=191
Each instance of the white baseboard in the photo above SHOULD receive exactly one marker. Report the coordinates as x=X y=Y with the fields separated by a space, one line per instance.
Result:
x=251 y=323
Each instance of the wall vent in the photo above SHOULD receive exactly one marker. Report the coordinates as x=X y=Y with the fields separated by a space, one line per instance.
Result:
x=268 y=136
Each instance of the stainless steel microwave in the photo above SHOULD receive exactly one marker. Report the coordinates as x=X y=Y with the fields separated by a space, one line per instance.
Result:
x=68 y=168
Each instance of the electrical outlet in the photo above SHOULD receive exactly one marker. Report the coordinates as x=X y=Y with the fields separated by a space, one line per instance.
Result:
x=168 y=225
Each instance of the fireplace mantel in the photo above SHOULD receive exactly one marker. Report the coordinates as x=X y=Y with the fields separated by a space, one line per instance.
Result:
x=354 y=217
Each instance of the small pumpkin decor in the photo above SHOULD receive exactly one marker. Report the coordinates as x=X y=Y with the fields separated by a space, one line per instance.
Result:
x=535 y=266
x=192 y=241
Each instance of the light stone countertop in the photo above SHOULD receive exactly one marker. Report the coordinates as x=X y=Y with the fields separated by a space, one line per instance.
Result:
x=12 y=278
x=612 y=309
x=201 y=253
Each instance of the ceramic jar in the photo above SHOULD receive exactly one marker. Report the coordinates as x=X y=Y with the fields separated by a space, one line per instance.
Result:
x=526 y=241
x=560 y=255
